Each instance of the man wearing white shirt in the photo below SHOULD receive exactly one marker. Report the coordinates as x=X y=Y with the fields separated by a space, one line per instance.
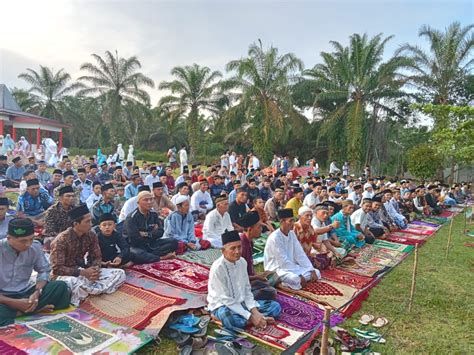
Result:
x=312 y=199
x=131 y=204
x=359 y=219
x=229 y=294
x=201 y=200
x=284 y=254
x=356 y=195
x=183 y=190
x=233 y=162
x=368 y=190
x=152 y=178
x=217 y=222
x=183 y=158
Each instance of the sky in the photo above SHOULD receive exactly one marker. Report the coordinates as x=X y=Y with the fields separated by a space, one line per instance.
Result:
x=164 y=34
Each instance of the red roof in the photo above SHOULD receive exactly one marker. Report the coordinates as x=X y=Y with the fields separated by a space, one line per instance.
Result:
x=25 y=117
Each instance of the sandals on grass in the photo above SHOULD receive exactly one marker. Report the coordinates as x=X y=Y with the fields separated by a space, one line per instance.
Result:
x=368 y=318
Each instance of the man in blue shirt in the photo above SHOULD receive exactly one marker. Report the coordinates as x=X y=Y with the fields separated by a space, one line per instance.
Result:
x=131 y=190
x=34 y=201
x=15 y=173
x=20 y=254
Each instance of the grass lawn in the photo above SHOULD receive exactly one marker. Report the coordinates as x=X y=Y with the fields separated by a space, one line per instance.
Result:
x=441 y=321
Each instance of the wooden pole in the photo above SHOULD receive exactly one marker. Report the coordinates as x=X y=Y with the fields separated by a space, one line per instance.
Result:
x=413 y=279
x=325 y=336
x=449 y=237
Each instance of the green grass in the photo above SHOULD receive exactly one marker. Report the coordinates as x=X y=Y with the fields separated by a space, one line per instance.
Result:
x=441 y=320
x=442 y=317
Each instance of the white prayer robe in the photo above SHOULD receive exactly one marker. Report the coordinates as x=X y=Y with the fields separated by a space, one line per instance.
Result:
x=214 y=226
x=128 y=207
x=285 y=255
x=229 y=286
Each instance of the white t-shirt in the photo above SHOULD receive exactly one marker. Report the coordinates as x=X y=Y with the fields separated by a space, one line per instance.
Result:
x=359 y=217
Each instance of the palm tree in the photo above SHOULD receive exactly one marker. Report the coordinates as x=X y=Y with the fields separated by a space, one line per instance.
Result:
x=170 y=129
x=118 y=82
x=195 y=89
x=439 y=71
x=48 y=89
x=26 y=101
x=264 y=79
x=352 y=84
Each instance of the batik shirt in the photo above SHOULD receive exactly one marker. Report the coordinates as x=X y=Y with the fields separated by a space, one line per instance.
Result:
x=306 y=236
x=55 y=220
x=33 y=206
x=68 y=253
x=77 y=194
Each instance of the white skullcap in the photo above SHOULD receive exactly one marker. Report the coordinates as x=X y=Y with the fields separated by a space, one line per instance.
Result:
x=303 y=209
x=181 y=198
x=367 y=184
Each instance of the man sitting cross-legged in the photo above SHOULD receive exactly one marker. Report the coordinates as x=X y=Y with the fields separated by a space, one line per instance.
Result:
x=230 y=298
x=144 y=230
x=284 y=254
x=261 y=283
x=69 y=264
x=19 y=256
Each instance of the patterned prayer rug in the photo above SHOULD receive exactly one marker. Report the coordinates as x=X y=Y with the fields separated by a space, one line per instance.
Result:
x=346 y=278
x=72 y=334
x=29 y=340
x=446 y=214
x=435 y=220
x=177 y=272
x=326 y=292
x=362 y=269
x=418 y=231
x=300 y=314
x=393 y=246
x=203 y=257
x=6 y=349
x=192 y=299
x=141 y=306
x=423 y=223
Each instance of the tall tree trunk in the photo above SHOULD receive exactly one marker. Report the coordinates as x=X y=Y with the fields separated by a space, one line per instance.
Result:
x=192 y=128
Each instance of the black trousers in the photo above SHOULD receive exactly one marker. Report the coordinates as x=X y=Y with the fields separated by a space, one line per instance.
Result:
x=152 y=253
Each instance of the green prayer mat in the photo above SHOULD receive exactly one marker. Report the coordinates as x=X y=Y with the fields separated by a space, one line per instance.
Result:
x=393 y=246
x=203 y=257
x=72 y=334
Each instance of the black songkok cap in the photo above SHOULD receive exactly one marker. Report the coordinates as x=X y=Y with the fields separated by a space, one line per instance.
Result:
x=185 y=170
x=57 y=171
x=106 y=217
x=332 y=189
x=377 y=199
x=297 y=190
x=157 y=184
x=95 y=183
x=15 y=159
x=344 y=191
x=330 y=203
x=4 y=201
x=229 y=237
x=65 y=190
x=285 y=213
x=321 y=206
x=181 y=185
x=144 y=188
x=68 y=173
x=103 y=164
x=249 y=219
x=78 y=212
x=106 y=187
x=32 y=182
x=93 y=166
x=3 y=157
x=81 y=170
x=21 y=227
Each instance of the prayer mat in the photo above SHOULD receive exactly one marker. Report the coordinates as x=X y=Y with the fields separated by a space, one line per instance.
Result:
x=178 y=273
x=257 y=258
x=362 y=269
x=328 y=293
x=22 y=337
x=422 y=223
x=436 y=220
x=302 y=315
x=446 y=214
x=203 y=257
x=392 y=246
x=428 y=229
x=7 y=349
x=192 y=299
x=72 y=334
x=406 y=240
x=346 y=278
x=418 y=231
x=141 y=306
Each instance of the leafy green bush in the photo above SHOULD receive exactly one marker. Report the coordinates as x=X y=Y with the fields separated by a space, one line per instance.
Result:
x=424 y=161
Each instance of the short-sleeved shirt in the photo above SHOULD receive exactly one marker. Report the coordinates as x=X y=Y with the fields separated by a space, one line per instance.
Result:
x=316 y=223
x=236 y=211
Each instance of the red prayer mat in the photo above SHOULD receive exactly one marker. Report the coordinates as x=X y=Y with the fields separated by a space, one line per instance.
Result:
x=129 y=306
x=177 y=272
x=346 y=278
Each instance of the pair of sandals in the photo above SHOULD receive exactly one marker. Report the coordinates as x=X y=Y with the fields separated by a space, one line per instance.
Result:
x=190 y=324
x=369 y=318
x=351 y=343
x=370 y=335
